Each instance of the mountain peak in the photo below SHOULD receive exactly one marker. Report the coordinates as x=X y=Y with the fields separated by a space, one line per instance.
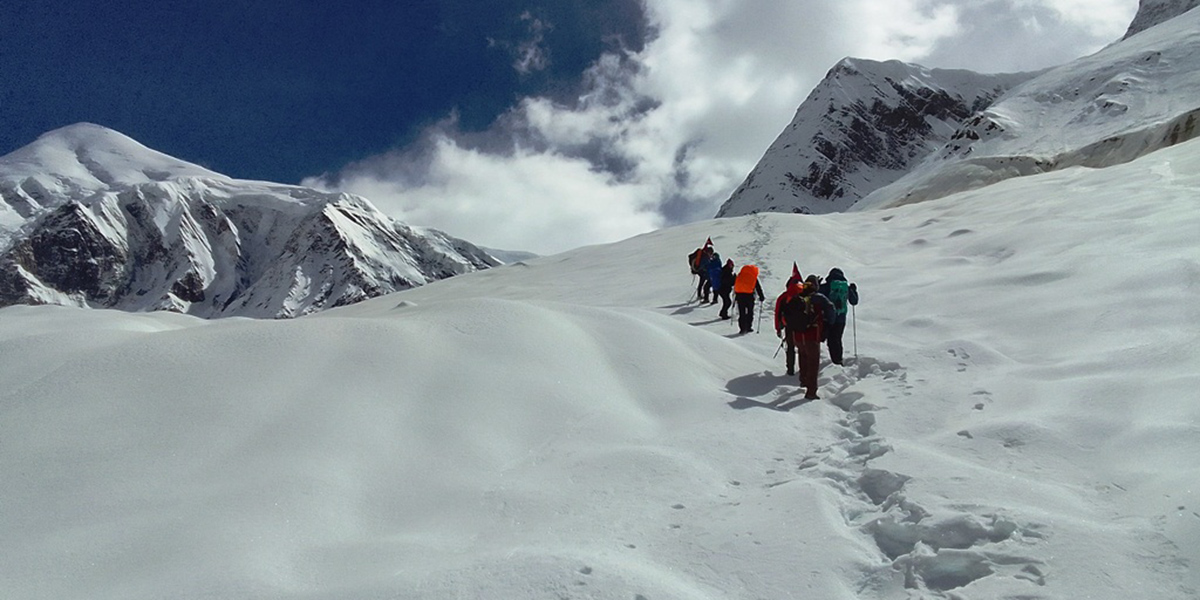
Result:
x=862 y=127
x=1133 y=97
x=91 y=217
x=1153 y=12
x=84 y=158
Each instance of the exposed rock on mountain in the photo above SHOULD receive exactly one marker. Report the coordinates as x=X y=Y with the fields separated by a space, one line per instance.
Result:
x=1153 y=12
x=880 y=134
x=92 y=218
x=1134 y=97
x=865 y=125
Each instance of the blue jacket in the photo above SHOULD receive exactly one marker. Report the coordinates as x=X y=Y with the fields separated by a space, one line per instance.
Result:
x=714 y=270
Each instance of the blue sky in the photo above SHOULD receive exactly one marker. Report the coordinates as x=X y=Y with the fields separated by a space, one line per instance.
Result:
x=283 y=90
x=519 y=125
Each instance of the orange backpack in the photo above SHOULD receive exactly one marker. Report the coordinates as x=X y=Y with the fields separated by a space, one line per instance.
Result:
x=746 y=280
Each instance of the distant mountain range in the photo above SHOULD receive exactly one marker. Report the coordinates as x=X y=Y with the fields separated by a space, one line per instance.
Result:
x=90 y=217
x=877 y=134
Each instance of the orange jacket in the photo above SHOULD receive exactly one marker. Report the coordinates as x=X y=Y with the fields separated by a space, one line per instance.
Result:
x=746 y=280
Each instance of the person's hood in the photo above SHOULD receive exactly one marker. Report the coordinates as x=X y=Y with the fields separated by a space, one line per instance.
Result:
x=835 y=274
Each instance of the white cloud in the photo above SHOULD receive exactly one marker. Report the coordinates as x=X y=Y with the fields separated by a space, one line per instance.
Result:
x=664 y=135
x=541 y=202
x=529 y=55
x=1025 y=35
x=1105 y=19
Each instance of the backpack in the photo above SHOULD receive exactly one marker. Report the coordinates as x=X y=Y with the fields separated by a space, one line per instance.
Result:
x=747 y=280
x=839 y=291
x=799 y=313
x=694 y=261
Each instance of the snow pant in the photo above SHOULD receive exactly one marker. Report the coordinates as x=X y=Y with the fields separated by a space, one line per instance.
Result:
x=790 y=348
x=703 y=287
x=833 y=339
x=745 y=306
x=809 y=350
x=725 y=301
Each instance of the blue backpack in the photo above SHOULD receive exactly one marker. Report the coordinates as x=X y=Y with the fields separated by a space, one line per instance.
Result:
x=839 y=291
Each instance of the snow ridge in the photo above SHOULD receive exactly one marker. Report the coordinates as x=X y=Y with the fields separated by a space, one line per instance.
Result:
x=866 y=124
x=1153 y=12
x=1131 y=98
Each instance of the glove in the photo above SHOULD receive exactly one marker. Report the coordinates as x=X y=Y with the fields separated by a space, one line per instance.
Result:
x=853 y=287
x=779 y=333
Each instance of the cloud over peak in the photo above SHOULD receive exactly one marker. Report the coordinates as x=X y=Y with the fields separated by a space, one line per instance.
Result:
x=663 y=134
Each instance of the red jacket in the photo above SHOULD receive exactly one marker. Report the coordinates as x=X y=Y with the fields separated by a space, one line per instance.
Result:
x=787 y=294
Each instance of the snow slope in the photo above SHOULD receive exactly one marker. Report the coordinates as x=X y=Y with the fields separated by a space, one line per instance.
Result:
x=1021 y=421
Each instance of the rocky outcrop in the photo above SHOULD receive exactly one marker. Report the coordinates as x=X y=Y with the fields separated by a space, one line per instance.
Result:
x=865 y=125
x=1153 y=12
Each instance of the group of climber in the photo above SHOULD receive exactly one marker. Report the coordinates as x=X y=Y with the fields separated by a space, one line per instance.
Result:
x=808 y=312
x=718 y=280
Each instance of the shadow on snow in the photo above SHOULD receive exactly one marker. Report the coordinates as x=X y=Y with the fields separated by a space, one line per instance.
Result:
x=759 y=385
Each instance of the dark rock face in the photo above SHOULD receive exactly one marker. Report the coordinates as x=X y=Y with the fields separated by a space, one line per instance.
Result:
x=67 y=253
x=878 y=134
x=863 y=127
x=1153 y=12
x=163 y=247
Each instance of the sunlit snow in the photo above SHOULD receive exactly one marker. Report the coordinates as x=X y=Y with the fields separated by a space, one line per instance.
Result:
x=1020 y=420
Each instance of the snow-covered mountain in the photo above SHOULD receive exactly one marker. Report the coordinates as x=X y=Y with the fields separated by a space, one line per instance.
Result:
x=876 y=134
x=864 y=126
x=90 y=217
x=1153 y=12
x=1134 y=97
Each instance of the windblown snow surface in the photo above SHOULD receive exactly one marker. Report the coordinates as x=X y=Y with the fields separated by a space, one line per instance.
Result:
x=1020 y=420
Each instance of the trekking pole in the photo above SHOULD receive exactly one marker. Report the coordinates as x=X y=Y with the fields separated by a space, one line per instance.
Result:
x=782 y=340
x=854 y=320
x=760 y=312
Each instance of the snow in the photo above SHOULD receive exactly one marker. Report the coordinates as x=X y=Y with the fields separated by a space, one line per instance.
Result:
x=81 y=159
x=1129 y=99
x=1020 y=421
x=183 y=238
x=846 y=140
